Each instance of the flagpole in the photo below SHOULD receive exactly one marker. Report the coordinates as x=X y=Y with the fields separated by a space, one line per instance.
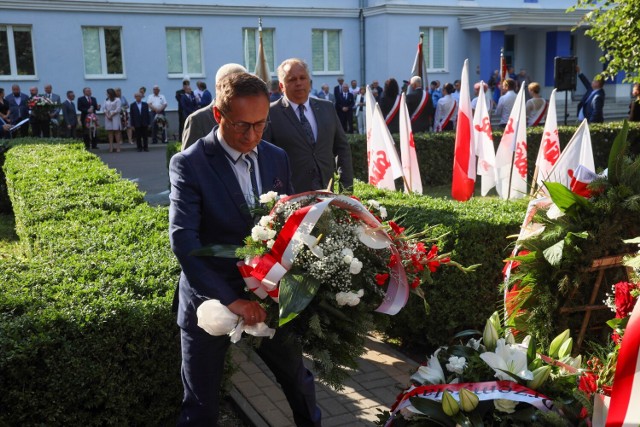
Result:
x=534 y=183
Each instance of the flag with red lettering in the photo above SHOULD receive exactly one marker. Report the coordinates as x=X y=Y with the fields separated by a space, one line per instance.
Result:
x=549 y=151
x=262 y=67
x=483 y=140
x=410 y=168
x=577 y=152
x=384 y=165
x=511 y=157
x=464 y=156
x=419 y=63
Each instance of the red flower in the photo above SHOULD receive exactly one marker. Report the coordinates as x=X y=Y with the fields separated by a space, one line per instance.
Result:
x=623 y=299
x=396 y=228
x=616 y=338
x=415 y=283
x=381 y=278
x=393 y=260
x=588 y=383
x=420 y=247
x=433 y=252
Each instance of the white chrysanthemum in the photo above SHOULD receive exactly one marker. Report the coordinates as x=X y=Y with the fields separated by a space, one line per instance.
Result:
x=271 y=233
x=356 y=266
x=349 y=298
x=259 y=233
x=269 y=197
x=265 y=220
x=456 y=364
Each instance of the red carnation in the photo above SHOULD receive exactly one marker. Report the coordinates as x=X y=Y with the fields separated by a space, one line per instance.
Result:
x=381 y=278
x=623 y=299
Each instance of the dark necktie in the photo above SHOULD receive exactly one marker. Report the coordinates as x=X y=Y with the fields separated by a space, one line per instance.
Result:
x=254 y=182
x=306 y=125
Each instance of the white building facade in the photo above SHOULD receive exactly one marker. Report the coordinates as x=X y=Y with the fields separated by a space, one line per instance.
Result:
x=102 y=43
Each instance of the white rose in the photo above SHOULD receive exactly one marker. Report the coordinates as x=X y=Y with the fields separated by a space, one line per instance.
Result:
x=270 y=243
x=257 y=233
x=349 y=298
x=271 y=233
x=355 y=266
x=265 y=220
x=505 y=405
x=456 y=364
x=269 y=197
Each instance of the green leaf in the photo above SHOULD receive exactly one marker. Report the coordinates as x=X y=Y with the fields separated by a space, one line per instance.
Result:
x=634 y=240
x=433 y=410
x=466 y=333
x=564 y=198
x=296 y=292
x=616 y=155
x=553 y=254
x=221 y=251
x=531 y=351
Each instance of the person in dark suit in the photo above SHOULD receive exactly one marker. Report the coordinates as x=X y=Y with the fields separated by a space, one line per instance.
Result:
x=591 y=106
x=390 y=105
x=419 y=106
x=69 y=115
x=140 y=120
x=18 y=103
x=201 y=122
x=87 y=104
x=337 y=89
x=211 y=196
x=181 y=115
x=312 y=140
x=54 y=115
x=344 y=108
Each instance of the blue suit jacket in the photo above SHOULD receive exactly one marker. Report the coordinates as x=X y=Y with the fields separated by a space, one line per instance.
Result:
x=208 y=207
x=17 y=112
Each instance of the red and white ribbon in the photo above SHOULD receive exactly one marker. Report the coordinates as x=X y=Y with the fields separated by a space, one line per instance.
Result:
x=624 y=409
x=264 y=273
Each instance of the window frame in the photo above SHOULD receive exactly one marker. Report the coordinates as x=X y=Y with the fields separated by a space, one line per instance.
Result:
x=428 y=31
x=104 y=75
x=13 y=60
x=183 y=53
x=325 y=47
x=272 y=66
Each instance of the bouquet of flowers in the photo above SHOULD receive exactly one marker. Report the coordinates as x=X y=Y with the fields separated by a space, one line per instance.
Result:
x=91 y=122
x=334 y=263
x=493 y=381
x=41 y=106
x=160 y=121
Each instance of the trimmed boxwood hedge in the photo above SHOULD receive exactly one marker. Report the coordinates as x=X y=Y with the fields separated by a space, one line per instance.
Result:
x=435 y=150
x=86 y=330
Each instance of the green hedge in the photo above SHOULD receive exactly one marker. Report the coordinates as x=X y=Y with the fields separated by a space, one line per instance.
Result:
x=435 y=150
x=86 y=330
x=477 y=234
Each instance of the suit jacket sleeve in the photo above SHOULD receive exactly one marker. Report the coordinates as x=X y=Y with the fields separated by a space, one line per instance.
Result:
x=342 y=150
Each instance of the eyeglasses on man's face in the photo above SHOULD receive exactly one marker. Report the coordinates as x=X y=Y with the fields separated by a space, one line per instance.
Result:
x=243 y=127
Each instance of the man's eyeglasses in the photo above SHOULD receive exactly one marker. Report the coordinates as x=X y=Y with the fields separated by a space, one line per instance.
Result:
x=243 y=127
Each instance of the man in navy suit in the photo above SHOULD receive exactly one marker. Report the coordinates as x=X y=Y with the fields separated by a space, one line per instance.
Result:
x=212 y=191
x=591 y=106
x=344 y=108
x=18 y=103
x=139 y=119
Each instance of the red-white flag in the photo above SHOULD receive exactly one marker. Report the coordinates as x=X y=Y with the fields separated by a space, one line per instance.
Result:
x=577 y=152
x=503 y=66
x=410 y=168
x=549 y=151
x=464 y=156
x=483 y=138
x=262 y=67
x=511 y=157
x=419 y=63
x=384 y=165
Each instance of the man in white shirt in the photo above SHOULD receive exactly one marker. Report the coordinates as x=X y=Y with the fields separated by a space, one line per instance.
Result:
x=157 y=104
x=506 y=101
x=445 y=110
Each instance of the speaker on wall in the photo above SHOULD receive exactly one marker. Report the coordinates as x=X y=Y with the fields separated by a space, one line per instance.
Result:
x=565 y=73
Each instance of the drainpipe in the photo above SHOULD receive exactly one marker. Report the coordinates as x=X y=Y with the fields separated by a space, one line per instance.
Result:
x=362 y=44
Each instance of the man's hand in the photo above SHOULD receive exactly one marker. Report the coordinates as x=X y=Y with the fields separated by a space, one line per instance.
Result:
x=250 y=311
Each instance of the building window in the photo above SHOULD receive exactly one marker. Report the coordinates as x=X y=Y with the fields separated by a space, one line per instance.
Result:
x=102 y=52
x=16 y=51
x=326 y=48
x=184 y=52
x=250 y=39
x=435 y=48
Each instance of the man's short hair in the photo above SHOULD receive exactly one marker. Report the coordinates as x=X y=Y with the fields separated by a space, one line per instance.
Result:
x=291 y=61
x=416 y=80
x=238 y=85
x=510 y=83
x=227 y=69
x=449 y=88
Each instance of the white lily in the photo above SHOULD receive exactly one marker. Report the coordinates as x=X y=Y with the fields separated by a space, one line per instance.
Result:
x=509 y=358
x=432 y=373
x=374 y=238
x=312 y=244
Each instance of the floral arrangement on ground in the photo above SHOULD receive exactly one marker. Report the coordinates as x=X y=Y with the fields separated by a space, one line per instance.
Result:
x=335 y=268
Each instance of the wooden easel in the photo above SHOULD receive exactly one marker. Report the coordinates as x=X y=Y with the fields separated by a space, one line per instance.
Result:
x=599 y=265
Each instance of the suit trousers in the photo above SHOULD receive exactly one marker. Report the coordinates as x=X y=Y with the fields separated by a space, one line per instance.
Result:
x=142 y=140
x=203 y=357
